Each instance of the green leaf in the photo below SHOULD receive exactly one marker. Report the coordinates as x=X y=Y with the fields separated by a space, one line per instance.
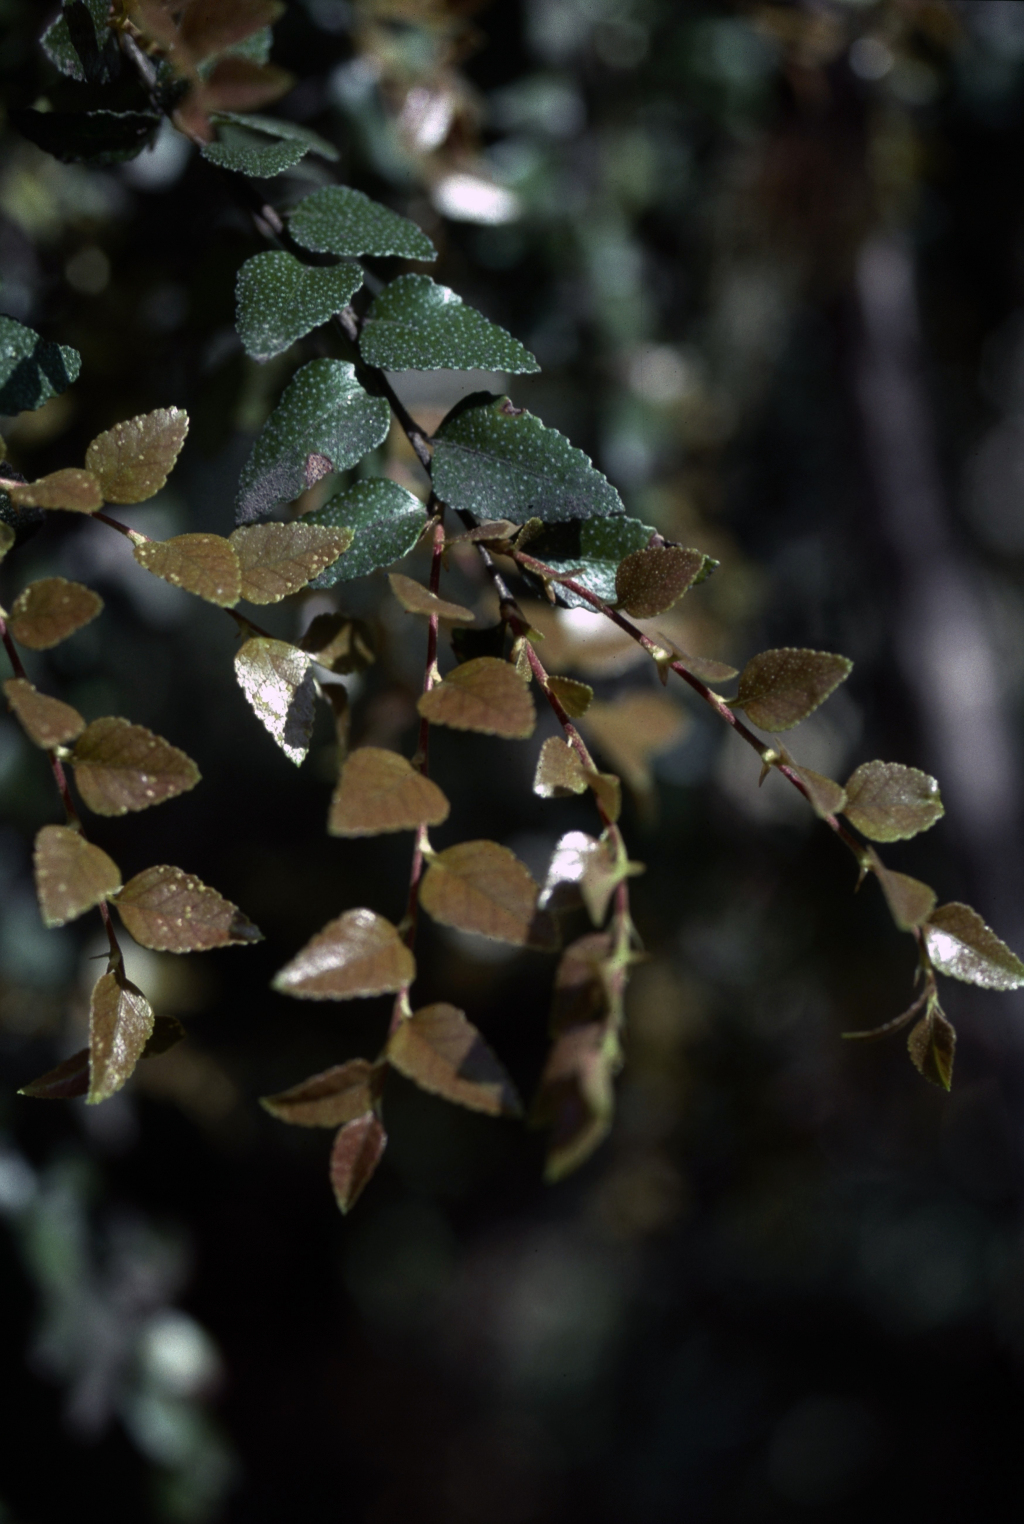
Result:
x=593 y=551
x=339 y=220
x=88 y=137
x=889 y=802
x=962 y=946
x=324 y=422
x=279 y=300
x=262 y=146
x=500 y=462
x=932 y=1046
x=32 y=370
x=415 y=324
x=387 y=521
x=80 y=44
x=780 y=688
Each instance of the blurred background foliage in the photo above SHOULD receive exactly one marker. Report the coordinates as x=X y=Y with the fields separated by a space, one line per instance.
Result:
x=771 y=258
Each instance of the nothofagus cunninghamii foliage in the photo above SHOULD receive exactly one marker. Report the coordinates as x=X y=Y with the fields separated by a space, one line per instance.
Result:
x=504 y=487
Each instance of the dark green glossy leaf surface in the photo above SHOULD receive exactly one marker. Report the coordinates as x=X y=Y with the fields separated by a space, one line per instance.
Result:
x=262 y=146
x=339 y=220
x=387 y=521
x=88 y=137
x=415 y=324
x=278 y=300
x=32 y=370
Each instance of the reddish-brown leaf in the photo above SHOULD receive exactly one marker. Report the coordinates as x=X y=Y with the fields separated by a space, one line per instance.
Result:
x=172 y=911
x=238 y=84
x=417 y=599
x=276 y=680
x=888 y=802
x=483 y=887
x=910 y=901
x=780 y=688
x=134 y=459
x=45 y=720
x=48 y=611
x=962 y=946
x=484 y=694
x=72 y=874
x=64 y=1083
x=203 y=564
x=360 y=953
x=579 y=995
x=826 y=797
x=120 y=1024
x=212 y=26
x=357 y=1152
x=608 y=792
x=120 y=767
x=276 y=560
x=329 y=1099
x=439 y=1050
x=932 y=1047
x=381 y=791
x=74 y=490
x=650 y=581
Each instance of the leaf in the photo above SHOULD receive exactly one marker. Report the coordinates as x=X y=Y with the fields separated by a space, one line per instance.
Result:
x=120 y=1023
x=32 y=370
x=278 y=684
x=417 y=599
x=279 y=300
x=575 y=1100
x=559 y=771
x=211 y=26
x=962 y=946
x=276 y=560
x=575 y=698
x=339 y=643
x=608 y=791
x=932 y=1046
x=482 y=887
x=235 y=83
x=704 y=667
x=203 y=564
x=592 y=552
x=99 y=138
x=587 y=869
x=360 y=953
x=909 y=900
x=324 y=422
x=357 y=1151
x=262 y=146
x=485 y=694
x=166 y=1034
x=443 y=1053
x=415 y=324
x=72 y=875
x=498 y=461
x=71 y=489
x=169 y=910
x=579 y=994
x=339 y=220
x=825 y=796
x=121 y=767
x=48 y=611
x=134 y=459
x=386 y=520
x=780 y=688
x=561 y=889
x=67 y=1081
x=650 y=581
x=632 y=730
x=7 y=538
x=381 y=791
x=329 y=1099
x=80 y=44
x=888 y=802
x=45 y=720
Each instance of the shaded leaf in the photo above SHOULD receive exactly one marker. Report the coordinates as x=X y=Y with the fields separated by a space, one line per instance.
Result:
x=32 y=370
x=120 y=1024
x=576 y=1100
x=329 y=1099
x=888 y=802
x=166 y=1034
x=172 y=911
x=704 y=667
x=415 y=324
x=324 y=422
x=203 y=564
x=607 y=790
x=579 y=994
x=46 y=721
x=7 y=538
x=482 y=887
x=386 y=520
x=72 y=875
x=559 y=771
x=134 y=459
x=485 y=694
x=825 y=796
x=98 y=138
x=64 y=1083
x=910 y=901
x=121 y=767
x=962 y=946
x=604 y=867
x=443 y=1053
x=575 y=698
x=278 y=684
x=80 y=44
x=339 y=220
x=357 y=1151
x=74 y=490
x=417 y=599
x=339 y=643
x=235 y=83
x=381 y=791
x=278 y=300
x=591 y=553
x=490 y=531
x=932 y=1047
x=359 y=953
x=498 y=461
x=632 y=730
x=48 y=611
x=276 y=560
x=211 y=26
x=262 y=146
x=651 y=580
x=780 y=688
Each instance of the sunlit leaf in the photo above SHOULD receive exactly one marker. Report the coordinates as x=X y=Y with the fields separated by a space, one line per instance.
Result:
x=72 y=875
x=276 y=560
x=575 y=698
x=780 y=688
x=442 y=1052
x=278 y=300
x=386 y=519
x=415 y=324
x=381 y=791
x=888 y=802
x=559 y=771
x=120 y=1023
x=71 y=489
x=357 y=1152
x=203 y=564
x=909 y=900
x=32 y=370
x=632 y=730
x=576 y=1099
x=134 y=459
x=825 y=796
x=276 y=680
x=339 y=220
x=120 y=767
x=329 y=1099
x=417 y=599
x=561 y=889
x=482 y=887
x=485 y=694
x=651 y=580
x=962 y=946
x=48 y=611
x=339 y=643
x=172 y=911
x=932 y=1046
x=64 y=1083
x=360 y=953
x=45 y=720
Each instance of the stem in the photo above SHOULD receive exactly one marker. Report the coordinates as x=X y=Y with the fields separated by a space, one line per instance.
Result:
x=130 y=534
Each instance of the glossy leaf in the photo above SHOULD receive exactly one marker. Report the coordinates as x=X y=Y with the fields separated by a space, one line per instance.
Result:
x=780 y=688
x=329 y=1099
x=339 y=220
x=962 y=946
x=279 y=300
x=575 y=698
x=48 y=611
x=576 y=1099
x=359 y=953
x=45 y=720
x=71 y=489
x=134 y=459
x=485 y=694
x=32 y=370
x=276 y=560
x=278 y=684
x=888 y=802
x=357 y=1151
x=98 y=138
x=499 y=462
x=634 y=729
x=559 y=771
x=932 y=1047
x=66 y=1082
x=203 y=564
x=324 y=422
x=561 y=890
x=826 y=796
x=262 y=146
x=417 y=599
x=910 y=901
x=482 y=887
x=381 y=791
x=415 y=324
x=120 y=1023
x=650 y=581
x=121 y=767
x=172 y=911
x=386 y=520
x=443 y=1053
x=72 y=875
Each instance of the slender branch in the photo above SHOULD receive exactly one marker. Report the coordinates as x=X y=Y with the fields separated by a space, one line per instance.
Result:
x=134 y=535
